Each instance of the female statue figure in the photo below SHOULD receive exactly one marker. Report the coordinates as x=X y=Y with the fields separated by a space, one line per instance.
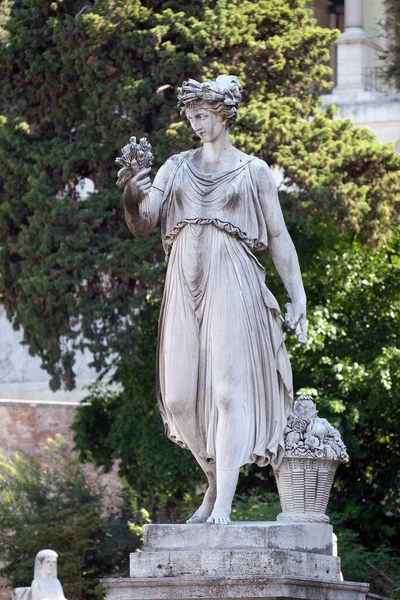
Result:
x=45 y=585
x=224 y=377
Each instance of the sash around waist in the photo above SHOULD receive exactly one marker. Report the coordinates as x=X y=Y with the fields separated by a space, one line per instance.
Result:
x=252 y=243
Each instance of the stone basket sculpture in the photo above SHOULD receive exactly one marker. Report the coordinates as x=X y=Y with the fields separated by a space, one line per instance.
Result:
x=313 y=451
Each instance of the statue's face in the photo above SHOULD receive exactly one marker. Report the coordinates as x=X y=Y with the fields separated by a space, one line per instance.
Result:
x=207 y=124
x=49 y=566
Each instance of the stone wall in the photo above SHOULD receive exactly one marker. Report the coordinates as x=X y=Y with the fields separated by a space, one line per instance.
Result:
x=26 y=425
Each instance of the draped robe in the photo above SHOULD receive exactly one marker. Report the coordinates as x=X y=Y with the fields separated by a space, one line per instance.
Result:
x=221 y=356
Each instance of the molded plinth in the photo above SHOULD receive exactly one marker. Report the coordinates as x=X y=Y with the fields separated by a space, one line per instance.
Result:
x=301 y=537
x=243 y=560
x=215 y=588
x=240 y=549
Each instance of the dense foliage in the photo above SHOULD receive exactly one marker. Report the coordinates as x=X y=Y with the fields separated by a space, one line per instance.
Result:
x=54 y=504
x=5 y=12
x=77 y=81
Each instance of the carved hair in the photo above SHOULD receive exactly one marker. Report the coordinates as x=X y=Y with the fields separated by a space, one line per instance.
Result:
x=40 y=556
x=221 y=96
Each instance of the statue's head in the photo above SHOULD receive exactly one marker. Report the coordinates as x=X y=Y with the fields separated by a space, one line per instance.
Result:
x=220 y=97
x=46 y=564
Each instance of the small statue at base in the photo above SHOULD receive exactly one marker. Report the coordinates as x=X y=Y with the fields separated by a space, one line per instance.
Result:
x=45 y=585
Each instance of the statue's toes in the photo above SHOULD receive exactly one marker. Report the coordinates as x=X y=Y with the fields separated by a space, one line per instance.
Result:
x=217 y=520
x=200 y=516
x=195 y=519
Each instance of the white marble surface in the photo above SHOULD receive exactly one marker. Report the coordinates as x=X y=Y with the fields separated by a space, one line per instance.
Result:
x=226 y=562
x=45 y=584
x=300 y=537
x=265 y=549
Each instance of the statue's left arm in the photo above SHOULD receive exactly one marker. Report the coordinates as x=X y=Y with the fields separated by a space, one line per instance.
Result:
x=283 y=252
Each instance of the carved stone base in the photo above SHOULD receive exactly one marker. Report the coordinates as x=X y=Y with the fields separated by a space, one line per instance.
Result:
x=270 y=535
x=241 y=560
x=214 y=588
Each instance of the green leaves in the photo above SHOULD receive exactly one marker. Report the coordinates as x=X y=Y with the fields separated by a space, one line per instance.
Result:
x=340 y=173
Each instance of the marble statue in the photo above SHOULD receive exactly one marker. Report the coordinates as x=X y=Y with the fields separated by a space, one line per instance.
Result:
x=224 y=377
x=45 y=585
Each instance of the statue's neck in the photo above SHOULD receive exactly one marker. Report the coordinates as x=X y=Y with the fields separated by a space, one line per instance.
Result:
x=212 y=152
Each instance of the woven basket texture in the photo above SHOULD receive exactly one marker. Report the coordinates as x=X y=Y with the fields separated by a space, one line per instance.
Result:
x=304 y=484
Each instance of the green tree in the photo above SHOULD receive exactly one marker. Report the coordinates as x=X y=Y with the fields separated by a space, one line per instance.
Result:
x=53 y=504
x=5 y=12
x=352 y=362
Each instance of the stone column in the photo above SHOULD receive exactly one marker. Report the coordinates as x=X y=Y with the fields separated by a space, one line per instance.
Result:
x=354 y=14
x=333 y=59
x=356 y=54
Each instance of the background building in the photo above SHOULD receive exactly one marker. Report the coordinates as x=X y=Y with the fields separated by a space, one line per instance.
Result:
x=359 y=91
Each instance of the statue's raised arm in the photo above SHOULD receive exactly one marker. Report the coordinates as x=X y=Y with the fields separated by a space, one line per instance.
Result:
x=142 y=200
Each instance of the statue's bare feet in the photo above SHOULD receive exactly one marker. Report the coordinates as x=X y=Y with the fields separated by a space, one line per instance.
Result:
x=205 y=509
x=219 y=516
x=226 y=485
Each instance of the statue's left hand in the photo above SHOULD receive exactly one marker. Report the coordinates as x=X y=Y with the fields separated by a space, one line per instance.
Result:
x=295 y=318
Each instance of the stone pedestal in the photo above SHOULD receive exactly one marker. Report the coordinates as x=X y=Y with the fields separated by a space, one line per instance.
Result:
x=356 y=62
x=241 y=560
